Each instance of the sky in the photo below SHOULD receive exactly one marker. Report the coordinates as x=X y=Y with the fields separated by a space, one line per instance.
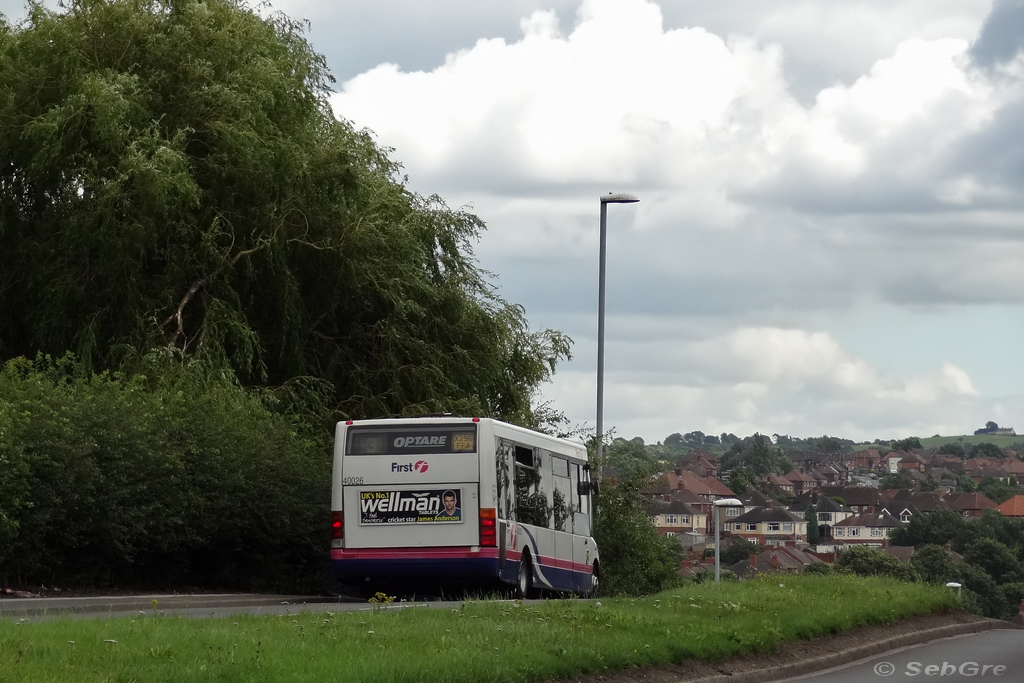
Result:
x=830 y=233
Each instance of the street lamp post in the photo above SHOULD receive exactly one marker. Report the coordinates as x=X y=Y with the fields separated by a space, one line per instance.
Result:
x=724 y=502
x=610 y=198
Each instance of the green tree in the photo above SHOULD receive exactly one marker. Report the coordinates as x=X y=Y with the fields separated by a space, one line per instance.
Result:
x=829 y=445
x=173 y=177
x=952 y=448
x=987 y=450
x=811 y=517
x=995 y=559
x=635 y=559
x=631 y=458
x=675 y=443
x=899 y=480
x=980 y=589
x=908 y=444
x=737 y=550
x=934 y=565
x=758 y=455
x=870 y=562
x=741 y=480
x=935 y=528
x=997 y=490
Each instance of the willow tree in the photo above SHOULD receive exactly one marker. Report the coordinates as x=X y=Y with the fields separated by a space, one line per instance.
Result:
x=172 y=176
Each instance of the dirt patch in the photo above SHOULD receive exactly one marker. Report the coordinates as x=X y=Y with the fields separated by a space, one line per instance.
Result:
x=788 y=654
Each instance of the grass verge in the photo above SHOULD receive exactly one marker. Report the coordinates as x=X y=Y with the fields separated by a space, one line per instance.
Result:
x=492 y=641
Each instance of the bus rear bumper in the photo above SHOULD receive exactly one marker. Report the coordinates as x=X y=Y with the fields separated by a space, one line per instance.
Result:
x=457 y=562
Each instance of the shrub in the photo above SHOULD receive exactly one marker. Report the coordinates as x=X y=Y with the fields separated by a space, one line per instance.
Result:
x=144 y=480
x=635 y=559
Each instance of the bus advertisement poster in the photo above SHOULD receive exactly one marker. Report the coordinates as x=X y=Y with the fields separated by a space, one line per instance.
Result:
x=411 y=507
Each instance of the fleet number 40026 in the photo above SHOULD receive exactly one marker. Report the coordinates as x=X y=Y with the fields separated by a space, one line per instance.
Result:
x=351 y=481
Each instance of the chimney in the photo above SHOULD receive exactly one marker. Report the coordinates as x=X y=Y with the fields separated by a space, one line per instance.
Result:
x=753 y=563
x=768 y=505
x=775 y=561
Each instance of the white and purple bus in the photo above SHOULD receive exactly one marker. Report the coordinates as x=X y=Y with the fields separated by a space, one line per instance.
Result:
x=464 y=501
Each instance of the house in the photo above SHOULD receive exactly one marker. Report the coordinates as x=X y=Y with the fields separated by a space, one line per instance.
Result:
x=859 y=499
x=609 y=474
x=708 y=487
x=892 y=463
x=969 y=504
x=781 y=483
x=701 y=463
x=829 y=513
x=869 y=528
x=903 y=553
x=912 y=461
x=865 y=459
x=768 y=526
x=778 y=560
x=801 y=482
x=905 y=504
x=1014 y=507
x=992 y=472
x=754 y=499
x=1014 y=467
x=674 y=518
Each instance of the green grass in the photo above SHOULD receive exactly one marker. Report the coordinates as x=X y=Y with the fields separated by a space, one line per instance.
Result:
x=492 y=641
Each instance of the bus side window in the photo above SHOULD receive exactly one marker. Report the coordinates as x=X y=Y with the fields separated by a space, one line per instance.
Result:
x=531 y=500
x=562 y=505
x=503 y=452
x=582 y=502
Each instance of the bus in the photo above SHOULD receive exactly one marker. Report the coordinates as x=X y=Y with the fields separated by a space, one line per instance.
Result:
x=461 y=501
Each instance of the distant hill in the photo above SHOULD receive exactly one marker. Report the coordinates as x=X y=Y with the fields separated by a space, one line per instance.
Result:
x=928 y=443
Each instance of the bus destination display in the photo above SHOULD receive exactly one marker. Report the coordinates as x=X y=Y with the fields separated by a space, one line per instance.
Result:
x=411 y=442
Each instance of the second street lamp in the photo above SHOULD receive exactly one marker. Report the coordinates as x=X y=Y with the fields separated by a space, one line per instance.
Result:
x=610 y=198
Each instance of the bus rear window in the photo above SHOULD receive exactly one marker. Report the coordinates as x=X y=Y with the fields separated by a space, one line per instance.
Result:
x=411 y=440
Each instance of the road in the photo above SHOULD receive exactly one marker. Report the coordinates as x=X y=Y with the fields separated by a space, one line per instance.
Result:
x=996 y=655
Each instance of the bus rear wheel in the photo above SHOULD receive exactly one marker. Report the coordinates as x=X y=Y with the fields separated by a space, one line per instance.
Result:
x=524 y=581
x=595 y=582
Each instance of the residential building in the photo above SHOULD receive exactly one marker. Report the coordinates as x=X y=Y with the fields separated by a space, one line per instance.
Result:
x=674 y=518
x=869 y=528
x=1014 y=507
x=768 y=526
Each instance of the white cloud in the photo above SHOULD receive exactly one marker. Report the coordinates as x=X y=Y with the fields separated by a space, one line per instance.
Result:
x=765 y=212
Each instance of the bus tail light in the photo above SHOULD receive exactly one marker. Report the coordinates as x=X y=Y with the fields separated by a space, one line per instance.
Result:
x=488 y=528
x=337 y=528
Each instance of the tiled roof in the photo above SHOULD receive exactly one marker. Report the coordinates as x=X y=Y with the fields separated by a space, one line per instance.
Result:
x=672 y=507
x=968 y=501
x=869 y=519
x=774 y=514
x=900 y=552
x=1013 y=507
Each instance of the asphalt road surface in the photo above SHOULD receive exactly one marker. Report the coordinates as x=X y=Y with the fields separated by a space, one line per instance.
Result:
x=996 y=655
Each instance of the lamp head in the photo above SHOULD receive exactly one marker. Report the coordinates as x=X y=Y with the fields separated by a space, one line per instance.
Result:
x=619 y=198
